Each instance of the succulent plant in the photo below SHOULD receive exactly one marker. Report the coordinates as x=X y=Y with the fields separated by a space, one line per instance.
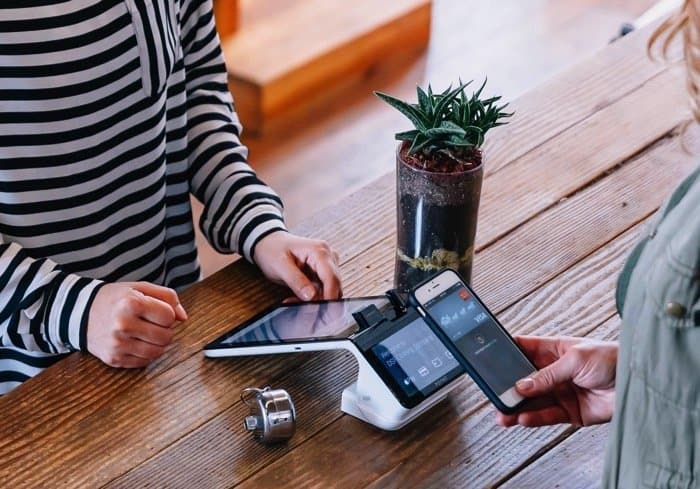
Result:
x=450 y=123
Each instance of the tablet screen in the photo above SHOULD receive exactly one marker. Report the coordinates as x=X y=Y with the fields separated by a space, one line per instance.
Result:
x=302 y=322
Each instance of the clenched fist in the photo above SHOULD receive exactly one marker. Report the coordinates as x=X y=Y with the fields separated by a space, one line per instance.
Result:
x=131 y=323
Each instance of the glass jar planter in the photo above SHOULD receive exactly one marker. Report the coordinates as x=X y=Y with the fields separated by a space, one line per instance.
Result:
x=436 y=221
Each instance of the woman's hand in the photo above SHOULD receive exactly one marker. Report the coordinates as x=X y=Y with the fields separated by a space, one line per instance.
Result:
x=131 y=323
x=576 y=383
x=309 y=267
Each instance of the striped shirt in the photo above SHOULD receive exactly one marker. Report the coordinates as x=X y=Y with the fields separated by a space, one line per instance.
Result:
x=111 y=113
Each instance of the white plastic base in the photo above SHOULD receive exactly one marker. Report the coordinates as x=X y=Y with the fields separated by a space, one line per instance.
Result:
x=370 y=400
x=367 y=399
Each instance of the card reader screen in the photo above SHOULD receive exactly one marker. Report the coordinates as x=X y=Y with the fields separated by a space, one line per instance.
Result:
x=416 y=359
x=302 y=322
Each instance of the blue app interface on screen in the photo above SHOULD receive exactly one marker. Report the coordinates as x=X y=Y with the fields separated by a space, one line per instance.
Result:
x=416 y=358
x=478 y=337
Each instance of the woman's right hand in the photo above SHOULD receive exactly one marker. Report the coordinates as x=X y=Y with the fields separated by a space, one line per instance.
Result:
x=131 y=323
x=575 y=383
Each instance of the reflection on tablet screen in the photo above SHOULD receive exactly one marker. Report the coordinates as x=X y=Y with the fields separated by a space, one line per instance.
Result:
x=303 y=322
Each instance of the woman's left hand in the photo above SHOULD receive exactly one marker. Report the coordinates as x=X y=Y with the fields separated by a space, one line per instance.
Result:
x=307 y=266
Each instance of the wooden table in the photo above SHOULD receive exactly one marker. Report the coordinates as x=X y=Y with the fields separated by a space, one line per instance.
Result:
x=570 y=182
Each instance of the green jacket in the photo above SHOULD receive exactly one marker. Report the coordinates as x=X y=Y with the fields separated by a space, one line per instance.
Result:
x=655 y=435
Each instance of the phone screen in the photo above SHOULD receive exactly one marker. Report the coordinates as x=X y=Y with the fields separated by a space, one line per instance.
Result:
x=309 y=321
x=479 y=338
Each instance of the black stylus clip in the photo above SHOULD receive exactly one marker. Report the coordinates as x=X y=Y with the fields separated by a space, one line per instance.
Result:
x=369 y=317
x=398 y=300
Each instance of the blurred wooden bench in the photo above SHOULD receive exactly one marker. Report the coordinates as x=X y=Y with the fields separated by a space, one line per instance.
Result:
x=226 y=14
x=307 y=53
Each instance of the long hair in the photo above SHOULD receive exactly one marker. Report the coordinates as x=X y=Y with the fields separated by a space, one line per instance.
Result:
x=686 y=24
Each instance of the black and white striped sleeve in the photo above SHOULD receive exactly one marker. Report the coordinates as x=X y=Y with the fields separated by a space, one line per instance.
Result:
x=239 y=209
x=41 y=307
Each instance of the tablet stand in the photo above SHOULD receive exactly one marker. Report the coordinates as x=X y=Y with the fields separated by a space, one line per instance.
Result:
x=370 y=400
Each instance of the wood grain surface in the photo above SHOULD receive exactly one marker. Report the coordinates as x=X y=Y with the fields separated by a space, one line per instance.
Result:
x=576 y=463
x=557 y=222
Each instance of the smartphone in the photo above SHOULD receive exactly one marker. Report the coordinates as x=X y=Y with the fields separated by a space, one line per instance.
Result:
x=474 y=336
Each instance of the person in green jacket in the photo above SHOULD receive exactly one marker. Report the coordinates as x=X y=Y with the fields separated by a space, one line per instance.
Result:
x=648 y=385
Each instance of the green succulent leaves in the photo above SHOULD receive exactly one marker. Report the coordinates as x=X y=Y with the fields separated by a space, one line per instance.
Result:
x=450 y=120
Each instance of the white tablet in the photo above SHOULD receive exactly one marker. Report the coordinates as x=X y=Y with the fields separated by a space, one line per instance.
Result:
x=396 y=344
x=287 y=328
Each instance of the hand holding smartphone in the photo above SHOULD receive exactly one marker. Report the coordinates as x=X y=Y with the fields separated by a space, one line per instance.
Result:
x=475 y=337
